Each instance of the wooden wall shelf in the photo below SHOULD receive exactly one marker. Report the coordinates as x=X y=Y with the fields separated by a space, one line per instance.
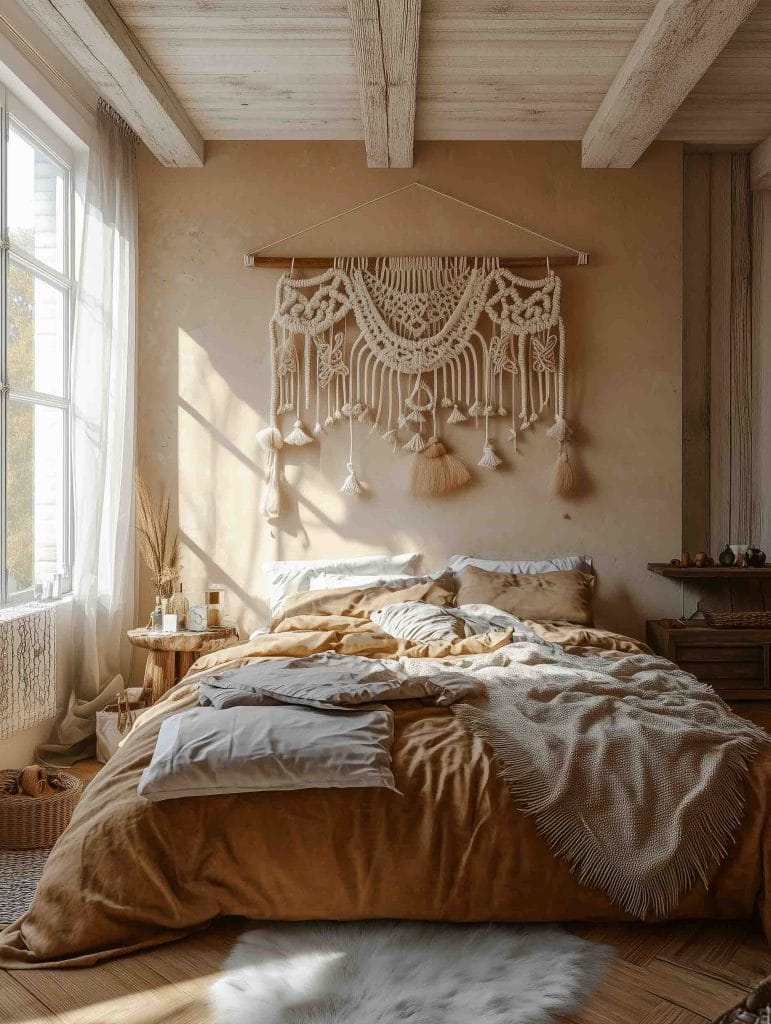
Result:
x=716 y=573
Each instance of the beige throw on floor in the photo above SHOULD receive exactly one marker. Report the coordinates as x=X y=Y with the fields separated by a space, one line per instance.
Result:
x=633 y=770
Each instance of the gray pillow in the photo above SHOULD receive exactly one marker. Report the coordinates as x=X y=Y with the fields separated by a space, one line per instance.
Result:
x=330 y=681
x=324 y=674
x=420 y=622
x=203 y=752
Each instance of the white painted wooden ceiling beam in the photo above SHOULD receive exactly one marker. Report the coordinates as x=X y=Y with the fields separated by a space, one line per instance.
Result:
x=93 y=35
x=676 y=46
x=385 y=36
x=760 y=165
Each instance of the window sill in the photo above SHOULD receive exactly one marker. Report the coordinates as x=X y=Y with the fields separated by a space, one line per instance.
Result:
x=10 y=612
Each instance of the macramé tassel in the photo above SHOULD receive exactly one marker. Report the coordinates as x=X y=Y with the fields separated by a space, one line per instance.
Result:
x=329 y=421
x=456 y=416
x=271 y=499
x=476 y=409
x=415 y=444
x=416 y=416
x=298 y=436
x=318 y=430
x=559 y=430
x=489 y=459
x=446 y=402
x=351 y=485
x=437 y=472
x=270 y=439
x=563 y=478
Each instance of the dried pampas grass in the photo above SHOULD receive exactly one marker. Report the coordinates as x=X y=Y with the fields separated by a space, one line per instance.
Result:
x=159 y=550
x=436 y=471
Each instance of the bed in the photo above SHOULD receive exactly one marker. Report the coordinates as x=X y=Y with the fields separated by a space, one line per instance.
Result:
x=450 y=843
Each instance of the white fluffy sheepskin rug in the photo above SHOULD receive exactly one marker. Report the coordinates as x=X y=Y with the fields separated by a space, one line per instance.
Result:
x=405 y=973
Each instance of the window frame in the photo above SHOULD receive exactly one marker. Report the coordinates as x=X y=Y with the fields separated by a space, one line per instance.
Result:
x=28 y=126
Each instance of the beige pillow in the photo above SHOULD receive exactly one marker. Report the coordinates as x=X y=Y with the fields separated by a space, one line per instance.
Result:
x=553 y=596
x=360 y=602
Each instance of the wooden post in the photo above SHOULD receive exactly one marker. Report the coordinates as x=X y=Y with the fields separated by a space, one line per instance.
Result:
x=696 y=352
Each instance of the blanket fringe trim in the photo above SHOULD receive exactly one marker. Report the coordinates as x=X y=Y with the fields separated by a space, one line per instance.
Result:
x=712 y=828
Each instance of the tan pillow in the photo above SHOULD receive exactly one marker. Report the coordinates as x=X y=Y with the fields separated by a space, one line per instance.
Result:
x=359 y=603
x=554 y=596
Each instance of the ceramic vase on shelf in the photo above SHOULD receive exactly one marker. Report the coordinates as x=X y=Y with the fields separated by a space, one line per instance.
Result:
x=179 y=605
x=726 y=557
x=739 y=550
x=755 y=558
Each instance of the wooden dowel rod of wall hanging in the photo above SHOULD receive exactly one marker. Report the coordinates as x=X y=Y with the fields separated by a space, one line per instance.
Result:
x=314 y=262
x=579 y=257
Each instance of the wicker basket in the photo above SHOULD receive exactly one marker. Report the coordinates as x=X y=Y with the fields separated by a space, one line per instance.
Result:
x=739 y=620
x=28 y=822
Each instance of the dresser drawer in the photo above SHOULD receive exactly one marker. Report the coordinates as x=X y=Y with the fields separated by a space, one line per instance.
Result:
x=736 y=662
x=725 y=668
x=713 y=653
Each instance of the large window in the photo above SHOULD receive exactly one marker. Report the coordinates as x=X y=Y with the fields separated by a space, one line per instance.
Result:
x=36 y=300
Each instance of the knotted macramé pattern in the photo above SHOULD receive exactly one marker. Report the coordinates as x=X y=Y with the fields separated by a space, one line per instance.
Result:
x=409 y=346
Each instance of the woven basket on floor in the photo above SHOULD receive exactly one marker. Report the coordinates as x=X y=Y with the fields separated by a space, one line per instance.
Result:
x=739 y=620
x=28 y=822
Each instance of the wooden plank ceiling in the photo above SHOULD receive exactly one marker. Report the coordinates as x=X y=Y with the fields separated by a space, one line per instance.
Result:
x=487 y=69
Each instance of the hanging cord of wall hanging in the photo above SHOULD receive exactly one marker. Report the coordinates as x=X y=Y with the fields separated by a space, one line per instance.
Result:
x=256 y=258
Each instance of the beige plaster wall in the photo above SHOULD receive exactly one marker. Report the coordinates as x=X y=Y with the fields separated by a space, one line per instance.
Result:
x=203 y=362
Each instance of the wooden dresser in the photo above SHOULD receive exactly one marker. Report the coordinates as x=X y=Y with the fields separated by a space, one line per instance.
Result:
x=736 y=662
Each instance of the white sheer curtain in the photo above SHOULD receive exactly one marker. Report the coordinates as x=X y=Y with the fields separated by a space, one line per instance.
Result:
x=103 y=436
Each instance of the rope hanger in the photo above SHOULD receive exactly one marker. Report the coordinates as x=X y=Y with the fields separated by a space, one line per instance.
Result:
x=255 y=257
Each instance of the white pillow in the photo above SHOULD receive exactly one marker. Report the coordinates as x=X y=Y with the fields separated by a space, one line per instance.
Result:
x=294 y=577
x=330 y=581
x=529 y=568
x=203 y=752
x=420 y=622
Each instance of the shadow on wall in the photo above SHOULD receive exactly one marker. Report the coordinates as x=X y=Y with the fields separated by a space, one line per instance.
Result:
x=205 y=376
x=221 y=478
x=222 y=402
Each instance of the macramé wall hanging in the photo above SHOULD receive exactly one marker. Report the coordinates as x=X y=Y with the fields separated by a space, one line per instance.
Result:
x=414 y=348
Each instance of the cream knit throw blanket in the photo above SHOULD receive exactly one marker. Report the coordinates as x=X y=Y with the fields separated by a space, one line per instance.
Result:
x=633 y=770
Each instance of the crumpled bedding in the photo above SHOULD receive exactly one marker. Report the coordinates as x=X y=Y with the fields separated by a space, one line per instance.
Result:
x=331 y=681
x=128 y=874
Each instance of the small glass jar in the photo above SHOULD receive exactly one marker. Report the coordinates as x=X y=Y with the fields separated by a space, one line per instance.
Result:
x=214 y=603
x=156 y=619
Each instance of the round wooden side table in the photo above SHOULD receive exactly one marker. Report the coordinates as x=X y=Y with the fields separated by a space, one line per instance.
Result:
x=170 y=655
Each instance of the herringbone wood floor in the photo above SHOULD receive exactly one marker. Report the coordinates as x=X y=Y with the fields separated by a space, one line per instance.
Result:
x=664 y=974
